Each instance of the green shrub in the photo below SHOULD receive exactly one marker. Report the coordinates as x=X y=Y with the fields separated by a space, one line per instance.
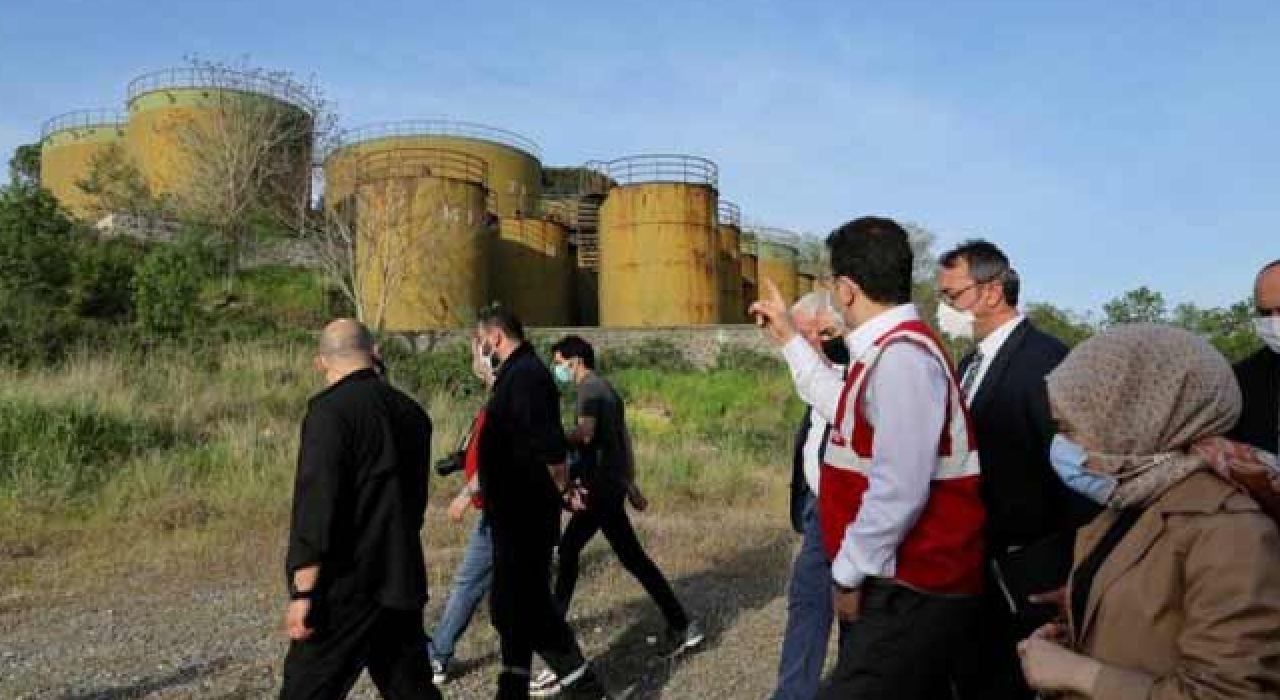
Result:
x=102 y=279
x=653 y=353
x=741 y=357
x=167 y=290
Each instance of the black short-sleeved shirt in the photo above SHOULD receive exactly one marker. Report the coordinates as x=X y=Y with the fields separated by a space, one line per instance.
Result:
x=361 y=493
x=606 y=463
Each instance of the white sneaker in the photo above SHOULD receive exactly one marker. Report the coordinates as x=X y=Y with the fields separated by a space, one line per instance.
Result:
x=544 y=685
x=439 y=672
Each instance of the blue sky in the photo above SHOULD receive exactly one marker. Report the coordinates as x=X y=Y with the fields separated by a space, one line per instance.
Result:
x=1105 y=145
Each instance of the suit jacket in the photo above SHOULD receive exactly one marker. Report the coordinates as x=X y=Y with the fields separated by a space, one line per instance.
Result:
x=1259 y=377
x=1026 y=501
x=799 y=485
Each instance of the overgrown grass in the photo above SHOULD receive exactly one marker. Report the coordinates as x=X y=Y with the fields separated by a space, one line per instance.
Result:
x=172 y=438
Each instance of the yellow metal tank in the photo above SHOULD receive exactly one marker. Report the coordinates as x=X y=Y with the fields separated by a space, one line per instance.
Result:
x=172 y=110
x=658 y=243
x=750 y=270
x=779 y=257
x=514 y=162
x=69 y=143
x=729 y=270
x=423 y=238
x=532 y=272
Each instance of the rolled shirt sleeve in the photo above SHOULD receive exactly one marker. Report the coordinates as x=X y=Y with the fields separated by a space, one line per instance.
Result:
x=906 y=402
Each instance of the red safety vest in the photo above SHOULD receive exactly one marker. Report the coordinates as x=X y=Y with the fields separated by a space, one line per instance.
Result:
x=943 y=551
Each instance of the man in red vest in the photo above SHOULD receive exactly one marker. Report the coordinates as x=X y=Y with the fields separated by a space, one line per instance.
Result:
x=899 y=502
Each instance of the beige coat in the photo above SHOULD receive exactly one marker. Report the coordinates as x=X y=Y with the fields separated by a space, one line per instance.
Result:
x=1188 y=605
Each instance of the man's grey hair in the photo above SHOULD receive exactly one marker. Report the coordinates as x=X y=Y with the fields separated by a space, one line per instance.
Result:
x=987 y=263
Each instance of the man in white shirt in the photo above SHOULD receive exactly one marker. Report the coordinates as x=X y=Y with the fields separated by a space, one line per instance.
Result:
x=899 y=500
x=809 y=606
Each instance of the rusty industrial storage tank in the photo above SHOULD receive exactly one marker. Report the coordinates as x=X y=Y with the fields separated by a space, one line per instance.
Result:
x=658 y=242
x=532 y=271
x=176 y=115
x=750 y=269
x=513 y=161
x=778 y=260
x=729 y=268
x=69 y=145
x=423 y=237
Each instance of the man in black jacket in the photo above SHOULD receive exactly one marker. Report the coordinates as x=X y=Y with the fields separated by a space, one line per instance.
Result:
x=1259 y=374
x=524 y=481
x=1031 y=515
x=354 y=569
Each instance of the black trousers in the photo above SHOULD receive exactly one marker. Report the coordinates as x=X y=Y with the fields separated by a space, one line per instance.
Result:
x=903 y=646
x=524 y=613
x=609 y=515
x=989 y=667
x=353 y=637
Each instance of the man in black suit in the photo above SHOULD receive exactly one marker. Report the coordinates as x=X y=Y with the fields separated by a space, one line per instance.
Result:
x=1031 y=515
x=1259 y=374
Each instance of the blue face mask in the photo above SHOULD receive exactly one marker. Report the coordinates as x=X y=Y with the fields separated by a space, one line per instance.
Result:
x=562 y=373
x=1069 y=460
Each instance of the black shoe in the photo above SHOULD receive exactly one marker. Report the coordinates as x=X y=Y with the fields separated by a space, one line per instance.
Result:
x=586 y=687
x=513 y=686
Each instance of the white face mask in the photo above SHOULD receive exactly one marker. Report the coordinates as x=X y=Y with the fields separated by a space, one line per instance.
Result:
x=1268 y=329
x=954 y=322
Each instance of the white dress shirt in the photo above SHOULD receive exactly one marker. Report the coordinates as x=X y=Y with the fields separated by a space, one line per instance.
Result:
x=906 y=402
x=990 y=347
x=811 y=453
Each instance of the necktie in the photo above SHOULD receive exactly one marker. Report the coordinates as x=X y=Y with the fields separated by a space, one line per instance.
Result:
x=971 y=374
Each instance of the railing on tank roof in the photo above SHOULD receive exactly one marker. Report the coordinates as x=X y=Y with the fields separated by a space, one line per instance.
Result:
x=422 y=162
x=777 y=236
x=82 y=119
x=436 y=127
x=674 y=168
x=282 y=89
x=729 y=214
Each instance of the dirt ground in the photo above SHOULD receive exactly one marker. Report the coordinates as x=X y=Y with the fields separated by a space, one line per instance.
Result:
x=199 y=616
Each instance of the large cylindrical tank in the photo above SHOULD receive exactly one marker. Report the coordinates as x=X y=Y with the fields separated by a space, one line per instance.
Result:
x=779 y=258
x=532 y=272
x=514 y=161
x=69 y=144
x=423 y=238
x=181 y=119
x=658 y=243
x=750 y=269
x=729 y=269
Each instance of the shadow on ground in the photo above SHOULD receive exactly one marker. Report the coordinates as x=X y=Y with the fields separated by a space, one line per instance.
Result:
x=716 y=596
x=154 y=684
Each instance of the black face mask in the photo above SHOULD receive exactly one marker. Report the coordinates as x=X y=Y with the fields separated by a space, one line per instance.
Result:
x=836 y=350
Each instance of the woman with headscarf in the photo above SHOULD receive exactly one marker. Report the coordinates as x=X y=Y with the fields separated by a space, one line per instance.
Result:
x=1175 y=589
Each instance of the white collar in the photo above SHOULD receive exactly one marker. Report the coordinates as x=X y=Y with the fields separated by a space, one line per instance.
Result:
x=864 y=336
x=991 y=344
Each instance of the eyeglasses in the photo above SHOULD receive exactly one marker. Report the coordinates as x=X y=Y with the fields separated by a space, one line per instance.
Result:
x=951 y=296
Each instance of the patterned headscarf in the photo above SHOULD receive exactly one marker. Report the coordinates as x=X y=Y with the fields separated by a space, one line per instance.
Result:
x=1140 y=396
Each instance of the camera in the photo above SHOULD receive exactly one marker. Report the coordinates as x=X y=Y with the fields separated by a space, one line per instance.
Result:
x=451 y=463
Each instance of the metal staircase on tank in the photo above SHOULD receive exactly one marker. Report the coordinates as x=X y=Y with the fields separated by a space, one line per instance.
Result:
x=579 y=198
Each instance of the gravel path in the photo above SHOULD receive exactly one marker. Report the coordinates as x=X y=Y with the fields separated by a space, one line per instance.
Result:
x=207 y=640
